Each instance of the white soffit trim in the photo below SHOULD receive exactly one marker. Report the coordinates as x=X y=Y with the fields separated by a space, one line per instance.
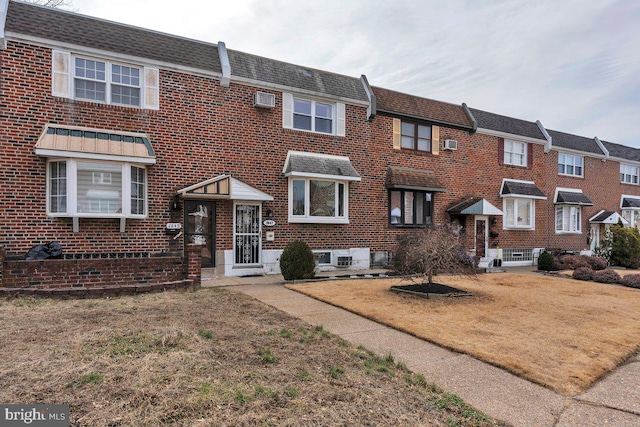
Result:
x=511 y=136
x=4 y=6
x=238 y=190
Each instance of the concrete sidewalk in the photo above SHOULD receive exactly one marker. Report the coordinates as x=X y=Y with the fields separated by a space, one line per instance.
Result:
x=613 y=401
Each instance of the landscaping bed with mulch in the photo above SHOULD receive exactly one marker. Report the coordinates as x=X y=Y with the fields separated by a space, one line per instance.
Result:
x=430 y=291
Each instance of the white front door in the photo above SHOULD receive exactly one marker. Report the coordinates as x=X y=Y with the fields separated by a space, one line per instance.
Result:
x=595 y=236
x=481 y=236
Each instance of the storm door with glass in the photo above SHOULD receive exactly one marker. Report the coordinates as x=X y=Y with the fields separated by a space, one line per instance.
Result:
x=199 y=220
x=247 y=233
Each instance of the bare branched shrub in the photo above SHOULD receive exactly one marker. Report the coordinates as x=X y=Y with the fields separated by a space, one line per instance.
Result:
x=426 y=252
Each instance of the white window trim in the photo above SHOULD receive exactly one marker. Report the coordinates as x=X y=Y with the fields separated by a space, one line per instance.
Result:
x=338 y=121
x=634 y=217
x=524 y=155
x=318 y=219
x=578 y=223
x=637 y=174
x=581 y=175
x=63 y=80
x=72 y=196
x=532 y=213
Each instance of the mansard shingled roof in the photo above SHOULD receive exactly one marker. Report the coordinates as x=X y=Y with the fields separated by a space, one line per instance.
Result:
x=622 y=151
x=499 y=123
x=409 y=105
x=265 y=70
x=574 y=142
x=74 y=29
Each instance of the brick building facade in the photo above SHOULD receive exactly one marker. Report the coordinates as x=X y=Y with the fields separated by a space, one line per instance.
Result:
x=128 y=140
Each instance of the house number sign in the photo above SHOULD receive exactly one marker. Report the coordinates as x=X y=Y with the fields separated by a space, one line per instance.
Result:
x=269 y=223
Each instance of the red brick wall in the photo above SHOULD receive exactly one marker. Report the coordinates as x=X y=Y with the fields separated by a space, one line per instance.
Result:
x=203 y=130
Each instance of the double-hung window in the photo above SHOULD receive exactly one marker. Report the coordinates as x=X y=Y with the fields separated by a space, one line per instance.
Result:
x=519 y=213
x=632 y=216
x=628 y=174
x=569 y=164
x=568 y=219
x=410 y=208
x=106 y=82
x=415 y=136
x=515 y=153
x=313 y=115
x=80 y=188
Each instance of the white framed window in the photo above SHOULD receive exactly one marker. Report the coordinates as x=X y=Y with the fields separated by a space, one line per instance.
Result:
x=104 y=81
x=313 y=115
x=318 y=200
x=515 y=153
x=72 y=190
x=632 y=216
x=568 y=219
x=628 y=174
x=569 y=164
x=519 y=213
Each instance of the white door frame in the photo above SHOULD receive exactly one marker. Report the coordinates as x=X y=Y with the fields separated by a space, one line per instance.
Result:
x=484 y=218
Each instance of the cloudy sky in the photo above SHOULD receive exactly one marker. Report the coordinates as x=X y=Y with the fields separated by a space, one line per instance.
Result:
x=572 y=64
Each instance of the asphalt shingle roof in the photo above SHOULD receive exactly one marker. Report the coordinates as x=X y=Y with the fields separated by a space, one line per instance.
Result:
x=517 y=188
x=400 y=103
x=284 y=74
x=574 y=142
x=506 y=124
x=622 y=151
x=573 y=198
x=320 y=165
x=398 y=177
x=66 y=27
x=630 y=202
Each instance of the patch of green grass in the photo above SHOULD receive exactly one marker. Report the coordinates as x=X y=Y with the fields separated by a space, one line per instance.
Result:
x=304 y=376
x=291 y=392
x=242 y=397
x=205 y=387
x=284 y=333
x=267 y=356
x=309 y=335
x=336 y=371
x=140 y=343
x=415 y=379
x=92 y=378
x=29 y=301
x=265 y=392
x=205 y=334
x=271 y=332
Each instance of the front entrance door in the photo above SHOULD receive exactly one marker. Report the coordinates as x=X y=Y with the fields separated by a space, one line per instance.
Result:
x=595 y=236
x=200 y=228
x=247 y=234
x=481 y=231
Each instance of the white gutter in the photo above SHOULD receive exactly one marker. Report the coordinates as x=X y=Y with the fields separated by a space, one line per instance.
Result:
x=4 y=7
x=224 y=63
x=602 y=147
x=549 y=144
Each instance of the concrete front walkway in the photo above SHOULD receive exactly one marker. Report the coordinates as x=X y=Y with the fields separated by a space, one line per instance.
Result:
x=613 y=401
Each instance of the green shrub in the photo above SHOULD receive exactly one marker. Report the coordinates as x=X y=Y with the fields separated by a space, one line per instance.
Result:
x=583 y=273
x=631 y=281
x=546 y=262
x=622 y=246
x=297 y=261
x=606 y=276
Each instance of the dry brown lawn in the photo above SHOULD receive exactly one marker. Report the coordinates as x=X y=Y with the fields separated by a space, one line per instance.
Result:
x=558 y=332
x=204 y=358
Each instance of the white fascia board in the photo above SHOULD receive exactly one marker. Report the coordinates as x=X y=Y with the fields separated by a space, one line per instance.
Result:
x=298 y=91
x=548 y=137
x=511 y=137
x=202 y=184
x=323 y=176
x=107 y=55
x=4 y=7
x=94 y=156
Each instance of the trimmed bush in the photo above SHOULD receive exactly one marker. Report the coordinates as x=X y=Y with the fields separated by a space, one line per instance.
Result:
x=631 y=281
x=596 y=262
x=297 y=261
x=583 y=273
x=622 y=246
x=606 y=276
x=546 y=262
x=571 y=262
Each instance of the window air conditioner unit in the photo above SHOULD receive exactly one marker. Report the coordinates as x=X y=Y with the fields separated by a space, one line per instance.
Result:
x=450 y=144
x=264 y=100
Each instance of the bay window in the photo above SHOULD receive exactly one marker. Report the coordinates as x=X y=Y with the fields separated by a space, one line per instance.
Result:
x=318 y=200
x=568 y=219
x=86 y=188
